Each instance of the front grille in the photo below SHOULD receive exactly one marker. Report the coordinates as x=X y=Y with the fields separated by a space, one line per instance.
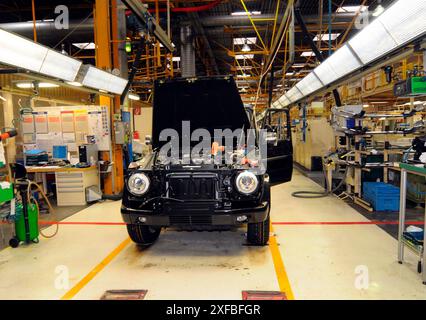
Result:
x=192 y=186
x=191 y=220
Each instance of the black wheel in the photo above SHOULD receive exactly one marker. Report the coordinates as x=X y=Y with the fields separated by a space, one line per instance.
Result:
x=14 y=243
x=419 y=267
x=143 y=235
x=258 y=233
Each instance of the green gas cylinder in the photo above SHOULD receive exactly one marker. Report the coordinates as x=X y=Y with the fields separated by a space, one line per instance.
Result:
x=20 y=228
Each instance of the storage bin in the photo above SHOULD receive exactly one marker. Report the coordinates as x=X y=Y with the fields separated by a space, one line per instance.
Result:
x=383 y=196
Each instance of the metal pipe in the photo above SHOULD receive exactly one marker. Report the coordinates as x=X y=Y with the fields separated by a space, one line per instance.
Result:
x=47 y=32
x=229 y=20
x=34 y=20
x=187 y=52
x=329 y=27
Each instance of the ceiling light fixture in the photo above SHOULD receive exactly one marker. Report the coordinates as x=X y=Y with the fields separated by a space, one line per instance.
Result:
x=244 y=56
x=351 y=9
x=85 y=45
x=74 y=83
x=396 y=27
x=133 y=96
x=22 y=53
x=241 y=41
x=246 y=47
x=102 y=80
x=30 y=85
x=326 y=37
x=379 y=9
x=308 y=54
x=244 y=13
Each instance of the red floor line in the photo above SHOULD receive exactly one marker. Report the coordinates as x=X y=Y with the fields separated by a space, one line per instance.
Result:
x=289 y=223
x=340 y=223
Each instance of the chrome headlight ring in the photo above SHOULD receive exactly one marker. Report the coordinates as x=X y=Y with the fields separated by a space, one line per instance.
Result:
x=247 y=182
x=138 y=184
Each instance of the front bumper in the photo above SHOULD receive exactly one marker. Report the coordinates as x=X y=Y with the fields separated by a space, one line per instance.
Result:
x=217 y=217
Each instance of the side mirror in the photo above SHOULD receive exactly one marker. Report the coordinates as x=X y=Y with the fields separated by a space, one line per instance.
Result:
x=148 y=140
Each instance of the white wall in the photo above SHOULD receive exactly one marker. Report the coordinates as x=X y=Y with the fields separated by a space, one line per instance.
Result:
x=143 y=123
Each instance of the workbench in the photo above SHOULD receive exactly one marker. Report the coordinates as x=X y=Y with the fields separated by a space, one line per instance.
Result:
x=71 y=183
x=402 y=243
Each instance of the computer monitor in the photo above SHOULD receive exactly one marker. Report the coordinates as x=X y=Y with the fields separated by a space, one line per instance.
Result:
x=60 y=152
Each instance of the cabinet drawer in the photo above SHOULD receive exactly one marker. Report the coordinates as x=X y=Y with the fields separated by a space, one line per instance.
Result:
x=71 y=198
x=66 y=185
x=61 y=180
x=69 y=175
x=69 y=189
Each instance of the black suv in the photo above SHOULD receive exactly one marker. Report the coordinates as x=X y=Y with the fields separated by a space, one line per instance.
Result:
x=198 y=192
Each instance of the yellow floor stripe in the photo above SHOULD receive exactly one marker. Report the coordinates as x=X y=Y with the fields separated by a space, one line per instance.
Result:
x=83 y=282
x=282 y=277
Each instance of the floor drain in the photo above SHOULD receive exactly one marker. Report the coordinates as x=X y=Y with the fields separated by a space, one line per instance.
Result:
x=264 y=295
x=124 y=295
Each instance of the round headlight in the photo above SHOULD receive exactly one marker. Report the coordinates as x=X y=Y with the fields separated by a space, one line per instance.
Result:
x=138 y=184
x=247 y=182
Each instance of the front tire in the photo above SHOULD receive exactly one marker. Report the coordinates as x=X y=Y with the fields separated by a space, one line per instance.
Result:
x=143 y=235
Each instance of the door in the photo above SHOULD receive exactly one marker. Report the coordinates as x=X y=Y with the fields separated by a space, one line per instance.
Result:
x=280 y=148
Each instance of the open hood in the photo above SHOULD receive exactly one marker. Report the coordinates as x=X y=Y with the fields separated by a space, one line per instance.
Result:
x=209 y=103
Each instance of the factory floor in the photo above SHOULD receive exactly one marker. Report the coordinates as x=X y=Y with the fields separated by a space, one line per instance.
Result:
x=306 y=259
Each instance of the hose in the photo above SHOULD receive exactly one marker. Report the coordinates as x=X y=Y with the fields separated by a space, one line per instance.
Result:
x=317 y=195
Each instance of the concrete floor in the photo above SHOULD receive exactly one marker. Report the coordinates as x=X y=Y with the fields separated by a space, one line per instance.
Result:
x=311 y=261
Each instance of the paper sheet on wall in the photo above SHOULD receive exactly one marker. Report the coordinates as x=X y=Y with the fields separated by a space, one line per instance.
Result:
x=80 y=137
x=81 y=121
x=99 y=127
x=47 y=141
x=68 y=137
x=27 y=123
x=54 y=122
x=67 y=118
x=40 y=119
x=28 y=138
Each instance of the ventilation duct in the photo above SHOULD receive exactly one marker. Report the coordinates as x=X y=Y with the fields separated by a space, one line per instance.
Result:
x=187 y=52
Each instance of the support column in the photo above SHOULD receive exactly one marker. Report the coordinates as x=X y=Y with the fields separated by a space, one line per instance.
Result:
x=102 y=19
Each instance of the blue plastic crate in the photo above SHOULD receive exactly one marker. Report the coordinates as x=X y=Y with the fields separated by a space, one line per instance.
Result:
x=383 y=197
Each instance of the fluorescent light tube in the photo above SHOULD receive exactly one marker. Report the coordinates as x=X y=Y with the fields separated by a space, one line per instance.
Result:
x=102 y=80
x=372 y=42
x=23 y=53
x=244 y=13
x=85 y=46
x=405 y=20
x=241 y=41
x=244 y=56
x=133 y=96
x=343 y=62
x=326 y=37
x=20 y=52
x=351 y=9
x=60 y=66
x=309 y=84
x=75 y=84
x=30 y=85
x=325 y=72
